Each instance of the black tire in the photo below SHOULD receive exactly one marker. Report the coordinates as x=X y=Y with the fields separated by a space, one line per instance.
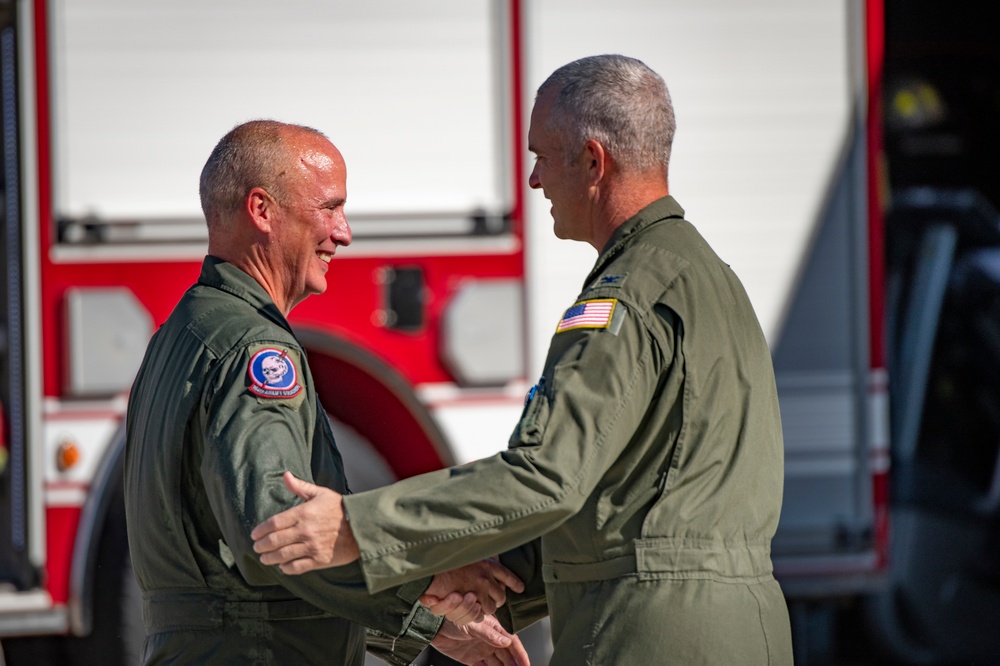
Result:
x=117 y=634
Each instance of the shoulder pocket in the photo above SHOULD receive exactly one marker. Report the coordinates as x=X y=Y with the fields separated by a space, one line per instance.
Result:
x=531 y=427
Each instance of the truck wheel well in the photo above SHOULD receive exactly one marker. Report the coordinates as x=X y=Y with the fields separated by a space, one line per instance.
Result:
x=364 y=392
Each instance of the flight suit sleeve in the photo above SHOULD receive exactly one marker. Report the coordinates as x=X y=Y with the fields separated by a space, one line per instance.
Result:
x=251 y=439
x=596 y=389
x=524 y=608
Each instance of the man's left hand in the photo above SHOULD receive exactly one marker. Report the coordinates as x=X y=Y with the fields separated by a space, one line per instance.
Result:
x=483 y=643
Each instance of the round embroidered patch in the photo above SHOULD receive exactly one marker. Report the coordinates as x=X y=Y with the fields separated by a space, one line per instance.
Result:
x=273 y=375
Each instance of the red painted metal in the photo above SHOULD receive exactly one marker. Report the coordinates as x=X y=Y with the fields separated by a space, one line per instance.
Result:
x=520 y=141
x=875 y=53
x=368 y=405
x=875 y=57
x=60 y=533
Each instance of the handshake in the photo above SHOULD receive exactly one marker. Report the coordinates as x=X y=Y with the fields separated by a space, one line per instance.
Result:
x=316 y=535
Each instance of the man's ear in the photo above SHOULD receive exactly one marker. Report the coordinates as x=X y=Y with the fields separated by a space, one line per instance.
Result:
x=262 y=209
x=596 y=159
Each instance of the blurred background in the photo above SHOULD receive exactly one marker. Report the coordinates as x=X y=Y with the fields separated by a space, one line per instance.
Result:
x=837 y=154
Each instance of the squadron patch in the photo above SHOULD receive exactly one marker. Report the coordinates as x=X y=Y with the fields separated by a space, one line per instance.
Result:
x=273 y=374
x=594 y=313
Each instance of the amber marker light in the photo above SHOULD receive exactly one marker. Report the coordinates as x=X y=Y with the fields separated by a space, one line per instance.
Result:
x=67 y=455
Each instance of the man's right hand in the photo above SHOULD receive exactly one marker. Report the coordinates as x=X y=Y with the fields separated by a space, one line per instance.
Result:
x=312 y=535
x=487 y=579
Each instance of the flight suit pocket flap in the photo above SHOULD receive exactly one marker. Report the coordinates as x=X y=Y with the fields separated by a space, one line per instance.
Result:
x=531 y=428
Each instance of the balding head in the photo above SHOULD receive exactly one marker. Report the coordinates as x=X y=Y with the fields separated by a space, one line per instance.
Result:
x=274 y=196
x=254 y=154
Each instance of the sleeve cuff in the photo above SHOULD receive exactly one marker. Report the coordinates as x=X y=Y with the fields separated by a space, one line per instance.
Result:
x=419 y=627
x=410 y=592
x=420 y=624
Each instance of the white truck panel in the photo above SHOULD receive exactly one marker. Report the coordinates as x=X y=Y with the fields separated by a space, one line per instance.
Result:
x=762 y=99
x=146 y=89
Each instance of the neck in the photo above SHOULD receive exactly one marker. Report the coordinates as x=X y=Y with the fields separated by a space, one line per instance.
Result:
x=250 y=257
x=623 y=200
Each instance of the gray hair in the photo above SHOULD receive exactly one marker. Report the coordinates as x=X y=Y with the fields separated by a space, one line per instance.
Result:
x=253 y=154
x=620 y=102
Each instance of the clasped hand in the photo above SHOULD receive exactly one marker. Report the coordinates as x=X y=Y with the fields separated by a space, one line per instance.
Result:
x=483 y=643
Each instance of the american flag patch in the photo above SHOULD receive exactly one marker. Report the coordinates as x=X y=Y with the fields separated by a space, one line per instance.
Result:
x=588 y=314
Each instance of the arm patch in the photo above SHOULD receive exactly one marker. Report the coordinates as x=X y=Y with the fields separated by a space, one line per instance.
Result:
x=594 y=313
x=273 y=374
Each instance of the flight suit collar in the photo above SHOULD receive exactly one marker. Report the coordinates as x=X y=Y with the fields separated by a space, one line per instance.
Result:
x=660 y=209
x=222 y=275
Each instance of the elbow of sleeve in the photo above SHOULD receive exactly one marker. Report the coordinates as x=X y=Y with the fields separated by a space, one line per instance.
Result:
x=561 y=496
x=572 y=503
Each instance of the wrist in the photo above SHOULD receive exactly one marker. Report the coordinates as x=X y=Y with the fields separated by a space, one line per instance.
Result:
x=347 y=545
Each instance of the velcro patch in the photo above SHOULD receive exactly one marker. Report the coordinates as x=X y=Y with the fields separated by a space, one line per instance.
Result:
x=611 y=281
x=273 y=374
x=594 y=313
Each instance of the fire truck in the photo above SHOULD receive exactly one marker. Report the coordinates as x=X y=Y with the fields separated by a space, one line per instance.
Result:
x=834 y=153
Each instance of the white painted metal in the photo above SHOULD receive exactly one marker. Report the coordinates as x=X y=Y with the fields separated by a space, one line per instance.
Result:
x=146 y=88
x=761 y=94
x=107 y=332
x=483 y=332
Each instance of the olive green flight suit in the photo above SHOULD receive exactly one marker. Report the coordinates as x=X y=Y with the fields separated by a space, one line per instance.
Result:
x=207 y=443
x=648 y=461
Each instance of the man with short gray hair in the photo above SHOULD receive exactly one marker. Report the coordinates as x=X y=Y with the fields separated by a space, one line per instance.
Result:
x=645 y=474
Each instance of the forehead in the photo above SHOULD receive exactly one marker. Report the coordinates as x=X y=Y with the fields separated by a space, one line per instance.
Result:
x=318 y=153
x=539 y=134
x=316 y=160
x=324 y=162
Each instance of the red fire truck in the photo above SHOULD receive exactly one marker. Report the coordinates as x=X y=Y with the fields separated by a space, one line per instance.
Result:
x=424 y=316
x=437 y=316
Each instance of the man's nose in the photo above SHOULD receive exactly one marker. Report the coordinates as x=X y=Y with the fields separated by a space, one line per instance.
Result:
x=342 y=234
x=533 y=181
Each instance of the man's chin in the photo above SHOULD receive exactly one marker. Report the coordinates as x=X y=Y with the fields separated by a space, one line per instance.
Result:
x=314 y=289
x=561 y=233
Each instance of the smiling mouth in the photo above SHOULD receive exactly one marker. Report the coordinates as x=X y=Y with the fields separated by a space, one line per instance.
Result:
x=325 y=257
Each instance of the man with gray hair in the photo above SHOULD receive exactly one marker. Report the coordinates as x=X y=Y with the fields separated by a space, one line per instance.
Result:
x=645 y=475
x=224 y=403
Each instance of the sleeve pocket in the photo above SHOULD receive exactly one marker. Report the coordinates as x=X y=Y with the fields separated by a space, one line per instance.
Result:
x=531 y=428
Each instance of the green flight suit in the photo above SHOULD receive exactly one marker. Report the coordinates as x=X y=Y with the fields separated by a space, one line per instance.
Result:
x=207 y=442
x=648 y=461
